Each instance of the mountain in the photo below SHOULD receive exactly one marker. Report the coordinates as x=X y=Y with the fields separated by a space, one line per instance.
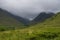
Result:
x=20 y=19
x=42 y=17
x=23 y=20
x=47 y=30
x=8 y=20
x=53 y=21
x=47 y=27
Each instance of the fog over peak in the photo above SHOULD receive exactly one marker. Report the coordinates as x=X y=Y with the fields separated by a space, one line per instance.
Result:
x=30 y=8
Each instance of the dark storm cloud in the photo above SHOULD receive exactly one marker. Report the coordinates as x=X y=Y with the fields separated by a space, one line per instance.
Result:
x=30 y=8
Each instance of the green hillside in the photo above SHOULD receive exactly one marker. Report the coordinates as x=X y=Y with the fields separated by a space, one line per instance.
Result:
x=7 y=22
x=51 y=22
x=48 y=30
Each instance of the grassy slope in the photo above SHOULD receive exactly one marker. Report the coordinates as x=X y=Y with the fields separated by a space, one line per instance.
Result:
x=48 y=30
x=8 y=22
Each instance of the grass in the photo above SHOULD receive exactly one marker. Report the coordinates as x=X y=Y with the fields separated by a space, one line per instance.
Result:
x=31 y=34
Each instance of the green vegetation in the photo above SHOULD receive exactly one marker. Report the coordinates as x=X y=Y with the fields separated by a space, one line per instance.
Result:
x=48 y=30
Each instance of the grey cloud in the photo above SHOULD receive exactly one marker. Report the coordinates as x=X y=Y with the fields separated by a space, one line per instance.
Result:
x=30 y=8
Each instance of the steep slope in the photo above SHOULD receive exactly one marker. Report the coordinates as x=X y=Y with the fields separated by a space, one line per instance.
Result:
x=53 y=21
x=42 y=17
x=47 y=30
x=20 y=19
x=9 y=21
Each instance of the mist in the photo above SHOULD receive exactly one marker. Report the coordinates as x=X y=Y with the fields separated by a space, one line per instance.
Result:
x=30 y=8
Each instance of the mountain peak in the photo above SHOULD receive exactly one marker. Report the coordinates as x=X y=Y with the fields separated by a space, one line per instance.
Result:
x=42 y=17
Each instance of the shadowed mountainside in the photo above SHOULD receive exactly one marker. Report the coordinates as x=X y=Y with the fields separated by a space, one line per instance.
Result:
x=42 y=17
x=8 y=20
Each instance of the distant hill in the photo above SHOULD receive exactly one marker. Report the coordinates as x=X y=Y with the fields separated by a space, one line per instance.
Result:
x=42 y=17
x=8 y=20
x=53 y=21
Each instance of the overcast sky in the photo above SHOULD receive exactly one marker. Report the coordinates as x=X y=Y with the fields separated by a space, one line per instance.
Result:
x=30 y=8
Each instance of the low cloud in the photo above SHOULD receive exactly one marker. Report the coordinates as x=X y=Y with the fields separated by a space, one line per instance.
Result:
x=30 y=8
